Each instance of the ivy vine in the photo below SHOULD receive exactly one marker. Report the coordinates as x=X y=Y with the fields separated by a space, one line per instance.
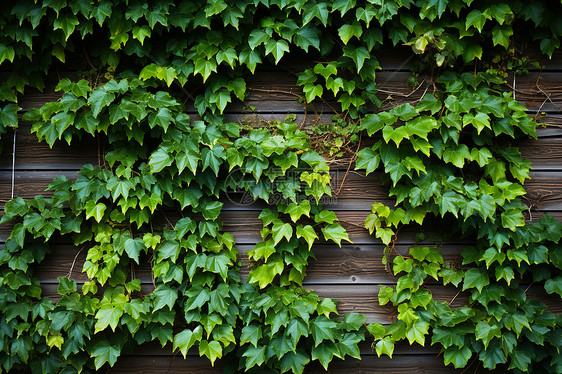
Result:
x=158 y=193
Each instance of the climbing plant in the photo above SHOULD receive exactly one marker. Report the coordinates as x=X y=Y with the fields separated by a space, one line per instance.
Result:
x=452 y=154
x=157 y=194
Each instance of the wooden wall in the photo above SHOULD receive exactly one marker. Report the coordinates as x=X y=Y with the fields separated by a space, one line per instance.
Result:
x=352 y=274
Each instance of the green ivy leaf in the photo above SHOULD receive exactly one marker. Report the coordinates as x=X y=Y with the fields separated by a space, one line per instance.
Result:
x=281 y=230
x=133 y=247
x=417 y=332
x=257 y=37
x=457 y=356
x=67 y=23
x=212 y=350
x=326 y=216
x=295 y=361
x=108 y=315
x=251 y=334
x=100 y=99
x=95 y=210
x=554 y=286
x=7 y=52
x=385 y=346
x=307 y=232
x=475 y=278
x=205 y=67
x=164 y=296
x=255 y=356
x=277 y=48
x=347 y=31
x=476 y=19
x=159 y=159
x=512 y=218
x=324 y=353
x=297 y=210
x=367 y=160
x=66 y=286
x=104 y=352
x=140 y=33
x=487 y=332
x=186 y=339
x=501 y=35
x=336 y=233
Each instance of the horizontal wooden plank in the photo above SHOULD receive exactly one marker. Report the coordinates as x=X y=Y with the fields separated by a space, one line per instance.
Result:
x=356 y=191
x=363 y=299
x=150 y=363
x=367 y=365
x=350 y=264
x=398 y=365
x=395 y=58
x=245 y=228
x=34 y=155
x=401 y=348
x=544 y=153
x=151 y=358
x=538 y=91
x=360 y=299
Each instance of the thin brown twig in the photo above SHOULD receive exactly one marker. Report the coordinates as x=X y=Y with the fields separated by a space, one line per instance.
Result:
x=471 y=363
x=453 y=299
x=73 y=262
x=401 y=94
x=318 y=117
x=547 y=97
x=393 y=242
x=477 y=366
x=166 y=217
x=353 y=158
x=304 y=118
x=352 y=224
x=88 y=57
x=277 y=91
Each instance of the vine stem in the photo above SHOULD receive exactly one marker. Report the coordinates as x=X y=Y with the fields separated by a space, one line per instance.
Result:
x=73 y=262
x=471 y=363
x=401 y=94
x=353 y=158
x=293 y=94
x=88 y=57
x=453 y=299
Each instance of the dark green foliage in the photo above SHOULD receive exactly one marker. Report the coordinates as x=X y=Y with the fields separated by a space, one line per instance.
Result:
x=454 y=154
x=451 y=154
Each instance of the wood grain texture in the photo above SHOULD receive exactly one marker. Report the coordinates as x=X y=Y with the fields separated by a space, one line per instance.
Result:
x=401 y=364
x=544 y=153
x=361 y=299
x=351 y=274
x=153 y=363
x=350 y=264
x=245 y=228
x=370 y=364
x=401 y=348
x=277 y=92
x=357 y=192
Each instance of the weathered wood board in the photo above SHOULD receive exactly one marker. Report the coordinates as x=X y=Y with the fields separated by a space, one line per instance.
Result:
x=351 y=274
